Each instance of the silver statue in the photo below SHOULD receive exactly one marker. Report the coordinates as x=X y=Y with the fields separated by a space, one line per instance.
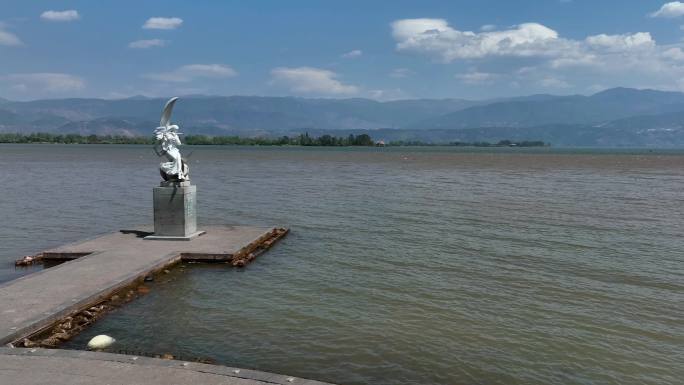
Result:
x=175 y=169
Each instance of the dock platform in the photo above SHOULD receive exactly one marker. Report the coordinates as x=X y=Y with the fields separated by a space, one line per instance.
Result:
x=98 y=268
x=69 y=367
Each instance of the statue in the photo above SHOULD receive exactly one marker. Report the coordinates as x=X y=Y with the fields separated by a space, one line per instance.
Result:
x=175 y=169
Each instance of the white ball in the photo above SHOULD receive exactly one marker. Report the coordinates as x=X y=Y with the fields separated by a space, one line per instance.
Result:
x=100 y=342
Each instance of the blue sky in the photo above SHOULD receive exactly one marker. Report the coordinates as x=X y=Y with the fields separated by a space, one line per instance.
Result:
x=375 y=49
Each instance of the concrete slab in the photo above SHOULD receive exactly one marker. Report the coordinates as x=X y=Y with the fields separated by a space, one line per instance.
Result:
x=188 y=237
x=71 y=367
x=104 y=265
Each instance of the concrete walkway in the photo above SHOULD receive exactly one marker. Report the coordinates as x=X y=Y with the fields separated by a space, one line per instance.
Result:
x=71 y=367
x=117 y=260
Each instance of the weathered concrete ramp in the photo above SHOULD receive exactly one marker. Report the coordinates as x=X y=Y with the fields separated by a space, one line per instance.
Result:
x=105 y=265
x=68 y=367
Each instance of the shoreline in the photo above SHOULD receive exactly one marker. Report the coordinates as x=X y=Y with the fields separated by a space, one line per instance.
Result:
x=304 y=140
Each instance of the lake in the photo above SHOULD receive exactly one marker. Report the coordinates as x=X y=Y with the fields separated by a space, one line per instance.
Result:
x=423 y=265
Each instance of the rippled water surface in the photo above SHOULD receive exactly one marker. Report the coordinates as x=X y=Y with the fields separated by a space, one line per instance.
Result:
x=404 y=265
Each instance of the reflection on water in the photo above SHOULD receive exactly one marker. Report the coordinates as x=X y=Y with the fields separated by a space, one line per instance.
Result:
x=404 y=265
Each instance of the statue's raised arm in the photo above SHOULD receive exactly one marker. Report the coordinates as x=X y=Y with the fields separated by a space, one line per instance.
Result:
x=175 y=168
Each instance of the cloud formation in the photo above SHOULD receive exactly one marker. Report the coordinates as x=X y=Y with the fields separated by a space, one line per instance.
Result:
x=552 y=82
x=8 y=38
x=60 y=16
x=476 y=77
x=163 y=23
x=43 y=82
x=626 y=58
x=621 y=43
x=191 y=72
x=434 y=37
x=309 y=80
x=670 y=10
x=144 y=44
x=352 y=54
x=386 y=95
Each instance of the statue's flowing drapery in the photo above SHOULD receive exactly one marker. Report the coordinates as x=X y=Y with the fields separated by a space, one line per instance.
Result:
x=167 y=138
x=169 y=142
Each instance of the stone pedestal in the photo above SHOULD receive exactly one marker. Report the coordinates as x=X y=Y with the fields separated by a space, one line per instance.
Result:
x=175 y=212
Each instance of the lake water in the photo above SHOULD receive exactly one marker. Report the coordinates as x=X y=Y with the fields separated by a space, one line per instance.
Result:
x=404 y=265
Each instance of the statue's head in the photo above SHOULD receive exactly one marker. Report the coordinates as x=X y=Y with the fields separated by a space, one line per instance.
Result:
x=173 y=127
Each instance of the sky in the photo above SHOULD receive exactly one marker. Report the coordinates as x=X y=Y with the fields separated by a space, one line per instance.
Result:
x=382 y=50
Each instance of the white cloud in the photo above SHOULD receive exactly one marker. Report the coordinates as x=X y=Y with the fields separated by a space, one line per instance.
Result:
x=434 y=37
x=68 y=15
x=587 y=60
x=594 y=88
x=163 y=23
x=400 y=73
x=143 y=44
x=551 y=82
x=8 y=38
x=45 y=82
x=385 y=95
x=191 y=72
x=625 y=42
x=674 y=53
x=476 y=77
x=488 y=27
x=614 y=52
x=628 y=59
x=309 y=80
x=670 y=10
x=352 y=54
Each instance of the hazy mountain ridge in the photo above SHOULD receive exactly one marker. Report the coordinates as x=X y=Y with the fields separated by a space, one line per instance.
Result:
x=237 y=112
x=617 y=103
x=615 y=117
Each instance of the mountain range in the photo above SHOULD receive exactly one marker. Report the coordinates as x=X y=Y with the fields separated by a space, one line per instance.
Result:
x=615 y=117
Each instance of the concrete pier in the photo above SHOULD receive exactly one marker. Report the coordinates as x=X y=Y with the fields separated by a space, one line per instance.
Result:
x=104 y=265
x=91 y=272
x=69 y=367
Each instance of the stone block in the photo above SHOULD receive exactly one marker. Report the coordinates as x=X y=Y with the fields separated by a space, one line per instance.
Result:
x=175 y=212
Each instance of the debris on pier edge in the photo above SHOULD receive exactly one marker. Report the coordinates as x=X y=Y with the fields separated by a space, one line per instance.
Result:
x=68 y=327
x=256 y=248
x=29 y=260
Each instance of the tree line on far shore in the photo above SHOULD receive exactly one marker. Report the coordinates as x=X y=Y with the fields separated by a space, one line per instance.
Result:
x=501 y=143
x=43 y=137
x=300 y=140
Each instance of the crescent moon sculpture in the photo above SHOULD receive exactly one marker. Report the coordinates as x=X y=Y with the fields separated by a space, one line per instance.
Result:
x=174 y=169
x=166 y=114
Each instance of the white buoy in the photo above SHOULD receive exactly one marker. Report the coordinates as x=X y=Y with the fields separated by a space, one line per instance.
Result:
x=100 y=342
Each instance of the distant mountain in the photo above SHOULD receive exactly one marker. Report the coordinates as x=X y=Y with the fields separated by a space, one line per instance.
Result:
x=662 y=122
x=107 y=126
x=235 y=112
x=615 y=117
x=559 y=135
x=604 y=106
